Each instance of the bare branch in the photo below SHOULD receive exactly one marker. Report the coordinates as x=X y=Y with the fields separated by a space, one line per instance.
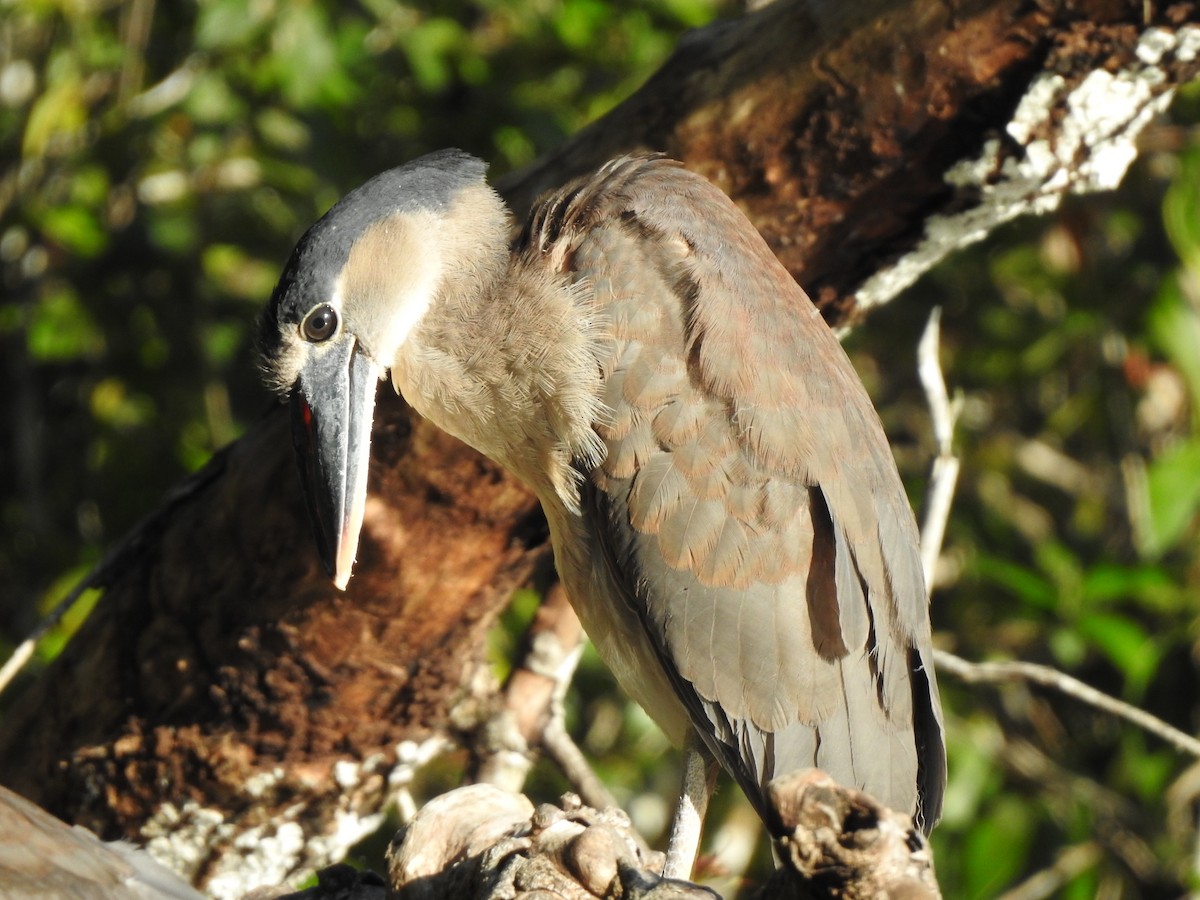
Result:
x=1069 y=864
x=1047 y=676
x=1119 y=823
x=532 y=710
x=945 y=466
x=24 y=653
x=574 y=765
x=941 y=493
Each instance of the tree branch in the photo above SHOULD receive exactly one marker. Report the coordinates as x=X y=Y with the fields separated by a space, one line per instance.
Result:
x=944 y=477
x=1047 y=676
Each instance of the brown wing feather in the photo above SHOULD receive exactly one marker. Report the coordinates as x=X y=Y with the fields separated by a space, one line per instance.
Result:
x=749 y=509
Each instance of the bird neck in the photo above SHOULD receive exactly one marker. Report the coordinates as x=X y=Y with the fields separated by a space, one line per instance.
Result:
x=507 y=360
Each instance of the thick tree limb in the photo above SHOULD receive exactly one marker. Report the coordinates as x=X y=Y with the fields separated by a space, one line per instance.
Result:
x=479 y=843
x=230 y=707
x=43 y=857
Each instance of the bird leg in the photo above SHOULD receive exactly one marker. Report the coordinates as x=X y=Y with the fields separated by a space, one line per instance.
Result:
x=699 y=775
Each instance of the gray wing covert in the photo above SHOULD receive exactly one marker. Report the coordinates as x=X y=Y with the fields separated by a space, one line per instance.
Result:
x=749 y=506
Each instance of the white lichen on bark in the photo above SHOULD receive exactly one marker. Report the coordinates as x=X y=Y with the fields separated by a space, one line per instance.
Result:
x=188 y=837
x=1069 y=138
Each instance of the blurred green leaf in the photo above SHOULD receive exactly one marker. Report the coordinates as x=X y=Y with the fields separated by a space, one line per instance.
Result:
x=1181 y=209
x=504 y=640
x=1126 y=644
x=1174 y=324
x=974 y=764
x=213 y=101
x=58 y=115
x=61 y=329
x=194 y=446
x=114 y=405
x=239 y=274
x=431 y=48
x=1142 y=768
x=304 y=58
x=53 y=642
x=996 y=848
x=222 y=24
x=222 y=340
x=77 y=229
x=1173 y=496
x=283 y=130
x=174 y=231
x=1108 y=582
x=1062 y=566
x=1068 y=646
x=692 y=13
x=578 y=21
x=1027 y=584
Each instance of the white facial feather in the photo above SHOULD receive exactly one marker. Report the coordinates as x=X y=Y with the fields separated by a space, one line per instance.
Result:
x=390 y=281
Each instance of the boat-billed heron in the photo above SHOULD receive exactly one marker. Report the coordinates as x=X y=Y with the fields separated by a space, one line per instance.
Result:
x=725 y=511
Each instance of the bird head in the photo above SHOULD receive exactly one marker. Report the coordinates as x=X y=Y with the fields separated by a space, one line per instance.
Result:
x=355 y=287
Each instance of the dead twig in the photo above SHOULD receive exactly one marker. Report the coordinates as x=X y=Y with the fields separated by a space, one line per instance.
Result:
x=941 y=492
x=1069 y=864
x=1047 y=676
x=944 y=477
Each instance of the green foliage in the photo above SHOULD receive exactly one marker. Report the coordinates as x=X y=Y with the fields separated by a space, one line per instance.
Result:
x=1073 y=539
x=163 y=178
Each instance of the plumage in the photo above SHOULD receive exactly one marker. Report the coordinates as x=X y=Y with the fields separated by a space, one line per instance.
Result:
x=725 y=511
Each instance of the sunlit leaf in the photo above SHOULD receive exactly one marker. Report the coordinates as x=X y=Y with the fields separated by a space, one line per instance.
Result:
x=212 y=100
x=74 y=227
x=59 y=113
x=113 y=404
x=1181 y=209
x=239 y=274
x=229 y=23
x=431 y=47
x=1107 y=582
x=579 y=20
x=60 y=329
x=1173 y=496
x=53 y=642
x=304 y=58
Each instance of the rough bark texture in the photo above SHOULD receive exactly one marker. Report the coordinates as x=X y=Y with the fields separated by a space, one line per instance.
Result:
x=833 y=125
x=224 y=688
x=481 y=843
x=43 y=857
x=222 y=678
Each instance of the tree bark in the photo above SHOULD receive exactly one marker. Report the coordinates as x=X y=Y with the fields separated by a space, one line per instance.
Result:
x=223 y=689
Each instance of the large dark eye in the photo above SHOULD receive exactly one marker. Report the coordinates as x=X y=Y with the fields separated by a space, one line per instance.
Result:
x=320 y=324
